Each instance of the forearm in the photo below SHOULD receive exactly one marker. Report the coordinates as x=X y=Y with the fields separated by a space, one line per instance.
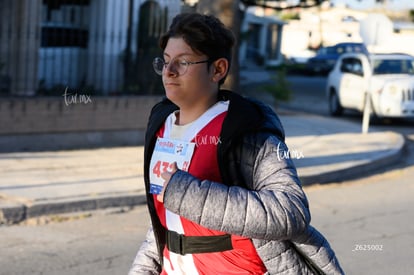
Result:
x=266 y=214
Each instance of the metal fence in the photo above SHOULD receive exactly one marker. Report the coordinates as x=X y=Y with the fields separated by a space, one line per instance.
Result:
x=85 y=46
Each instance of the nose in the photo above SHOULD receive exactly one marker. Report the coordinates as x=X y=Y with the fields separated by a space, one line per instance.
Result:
x=170 y=70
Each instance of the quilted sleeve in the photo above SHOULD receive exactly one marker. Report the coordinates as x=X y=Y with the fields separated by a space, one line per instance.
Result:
x=147 y=259
x=275 y=209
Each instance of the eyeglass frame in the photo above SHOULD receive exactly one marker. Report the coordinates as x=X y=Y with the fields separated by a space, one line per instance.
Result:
x=165 y=64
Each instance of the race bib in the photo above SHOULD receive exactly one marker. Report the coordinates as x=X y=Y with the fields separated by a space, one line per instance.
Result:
x=166 y=152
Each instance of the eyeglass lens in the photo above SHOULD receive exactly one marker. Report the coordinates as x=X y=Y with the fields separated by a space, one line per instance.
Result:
x=158 y=65
x=178 y=66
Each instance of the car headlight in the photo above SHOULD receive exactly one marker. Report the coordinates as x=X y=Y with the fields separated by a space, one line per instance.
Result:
x=393 y=90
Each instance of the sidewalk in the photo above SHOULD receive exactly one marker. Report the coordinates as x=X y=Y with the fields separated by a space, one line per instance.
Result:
x=42 y=183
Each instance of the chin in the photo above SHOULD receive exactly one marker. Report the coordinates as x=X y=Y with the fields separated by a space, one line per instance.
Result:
x=172 y=96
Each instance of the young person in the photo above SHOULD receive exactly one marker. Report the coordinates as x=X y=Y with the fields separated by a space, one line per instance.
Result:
x=221 y=200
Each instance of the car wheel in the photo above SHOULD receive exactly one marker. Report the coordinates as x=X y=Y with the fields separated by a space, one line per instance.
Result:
x=335 y=108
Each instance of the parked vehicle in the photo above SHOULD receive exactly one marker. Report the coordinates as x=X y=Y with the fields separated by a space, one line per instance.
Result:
x=325 y=58
x=386 y=79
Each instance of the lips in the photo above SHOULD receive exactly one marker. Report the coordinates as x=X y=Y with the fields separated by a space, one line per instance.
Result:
x=166 y=84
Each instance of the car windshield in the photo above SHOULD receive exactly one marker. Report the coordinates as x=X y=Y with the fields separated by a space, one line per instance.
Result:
x=325 y=51
x=350 y=49
x=394 y=66
x=340 y=49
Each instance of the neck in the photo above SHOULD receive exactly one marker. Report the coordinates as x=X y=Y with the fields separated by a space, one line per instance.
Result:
x=188 y=114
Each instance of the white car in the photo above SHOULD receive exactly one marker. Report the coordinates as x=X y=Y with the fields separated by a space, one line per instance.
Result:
x=386 y=79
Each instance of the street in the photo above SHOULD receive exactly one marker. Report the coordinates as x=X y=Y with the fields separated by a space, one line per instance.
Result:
x=368 y=220
x=102 y=242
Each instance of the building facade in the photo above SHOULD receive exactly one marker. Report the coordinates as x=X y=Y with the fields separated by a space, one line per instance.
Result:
x=261 y=40
x=47 y=46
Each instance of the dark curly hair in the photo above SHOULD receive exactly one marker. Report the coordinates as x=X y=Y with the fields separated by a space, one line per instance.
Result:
x=205 y=34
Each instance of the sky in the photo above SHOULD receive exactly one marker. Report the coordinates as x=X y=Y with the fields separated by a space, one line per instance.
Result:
x=366 y=4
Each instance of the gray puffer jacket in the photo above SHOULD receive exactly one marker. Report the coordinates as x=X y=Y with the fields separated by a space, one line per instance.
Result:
x=260 y=198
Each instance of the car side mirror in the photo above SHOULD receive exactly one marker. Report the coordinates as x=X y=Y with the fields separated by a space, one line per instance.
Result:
x=359 y=72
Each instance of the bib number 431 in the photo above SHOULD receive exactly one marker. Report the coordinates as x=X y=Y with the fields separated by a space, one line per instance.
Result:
x=165 y=166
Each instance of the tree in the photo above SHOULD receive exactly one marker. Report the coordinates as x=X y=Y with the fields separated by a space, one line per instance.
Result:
x=229 y=13
x=281 y=4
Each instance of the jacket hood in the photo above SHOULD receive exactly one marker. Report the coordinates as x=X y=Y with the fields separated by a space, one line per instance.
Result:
x=245 y=115
x=249 y=115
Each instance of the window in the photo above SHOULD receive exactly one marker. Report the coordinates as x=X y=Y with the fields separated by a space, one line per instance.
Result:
x=64 y=37
x=352 y=66
x=393 y=66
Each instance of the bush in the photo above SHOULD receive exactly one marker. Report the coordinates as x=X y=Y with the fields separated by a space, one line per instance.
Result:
x=281 y=90
x=287 y=16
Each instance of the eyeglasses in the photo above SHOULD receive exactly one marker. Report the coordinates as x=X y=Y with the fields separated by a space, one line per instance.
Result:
x=178 y=66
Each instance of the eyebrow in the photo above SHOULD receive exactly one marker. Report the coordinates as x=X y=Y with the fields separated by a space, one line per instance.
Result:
x=179 y=55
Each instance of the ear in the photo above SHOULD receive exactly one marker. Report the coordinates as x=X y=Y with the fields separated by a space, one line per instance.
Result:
x=220 y=69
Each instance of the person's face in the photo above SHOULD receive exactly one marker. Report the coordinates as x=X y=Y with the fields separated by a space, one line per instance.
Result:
x=196 y=84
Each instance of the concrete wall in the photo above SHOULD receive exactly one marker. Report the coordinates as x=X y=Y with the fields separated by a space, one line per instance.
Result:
x=72 y=121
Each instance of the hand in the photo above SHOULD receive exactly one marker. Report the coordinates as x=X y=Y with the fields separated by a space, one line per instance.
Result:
x=166 y=176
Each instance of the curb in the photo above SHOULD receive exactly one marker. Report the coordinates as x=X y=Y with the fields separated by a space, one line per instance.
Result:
x=12 y=213
x=349 y=173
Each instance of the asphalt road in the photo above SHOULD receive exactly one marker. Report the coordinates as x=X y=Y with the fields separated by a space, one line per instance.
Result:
x=367 y=221
x=101 y=242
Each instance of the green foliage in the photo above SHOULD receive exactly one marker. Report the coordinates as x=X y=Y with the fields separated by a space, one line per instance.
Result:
x=302 y=3
x=280 y=90
x=287 y=16
x=412 y=15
